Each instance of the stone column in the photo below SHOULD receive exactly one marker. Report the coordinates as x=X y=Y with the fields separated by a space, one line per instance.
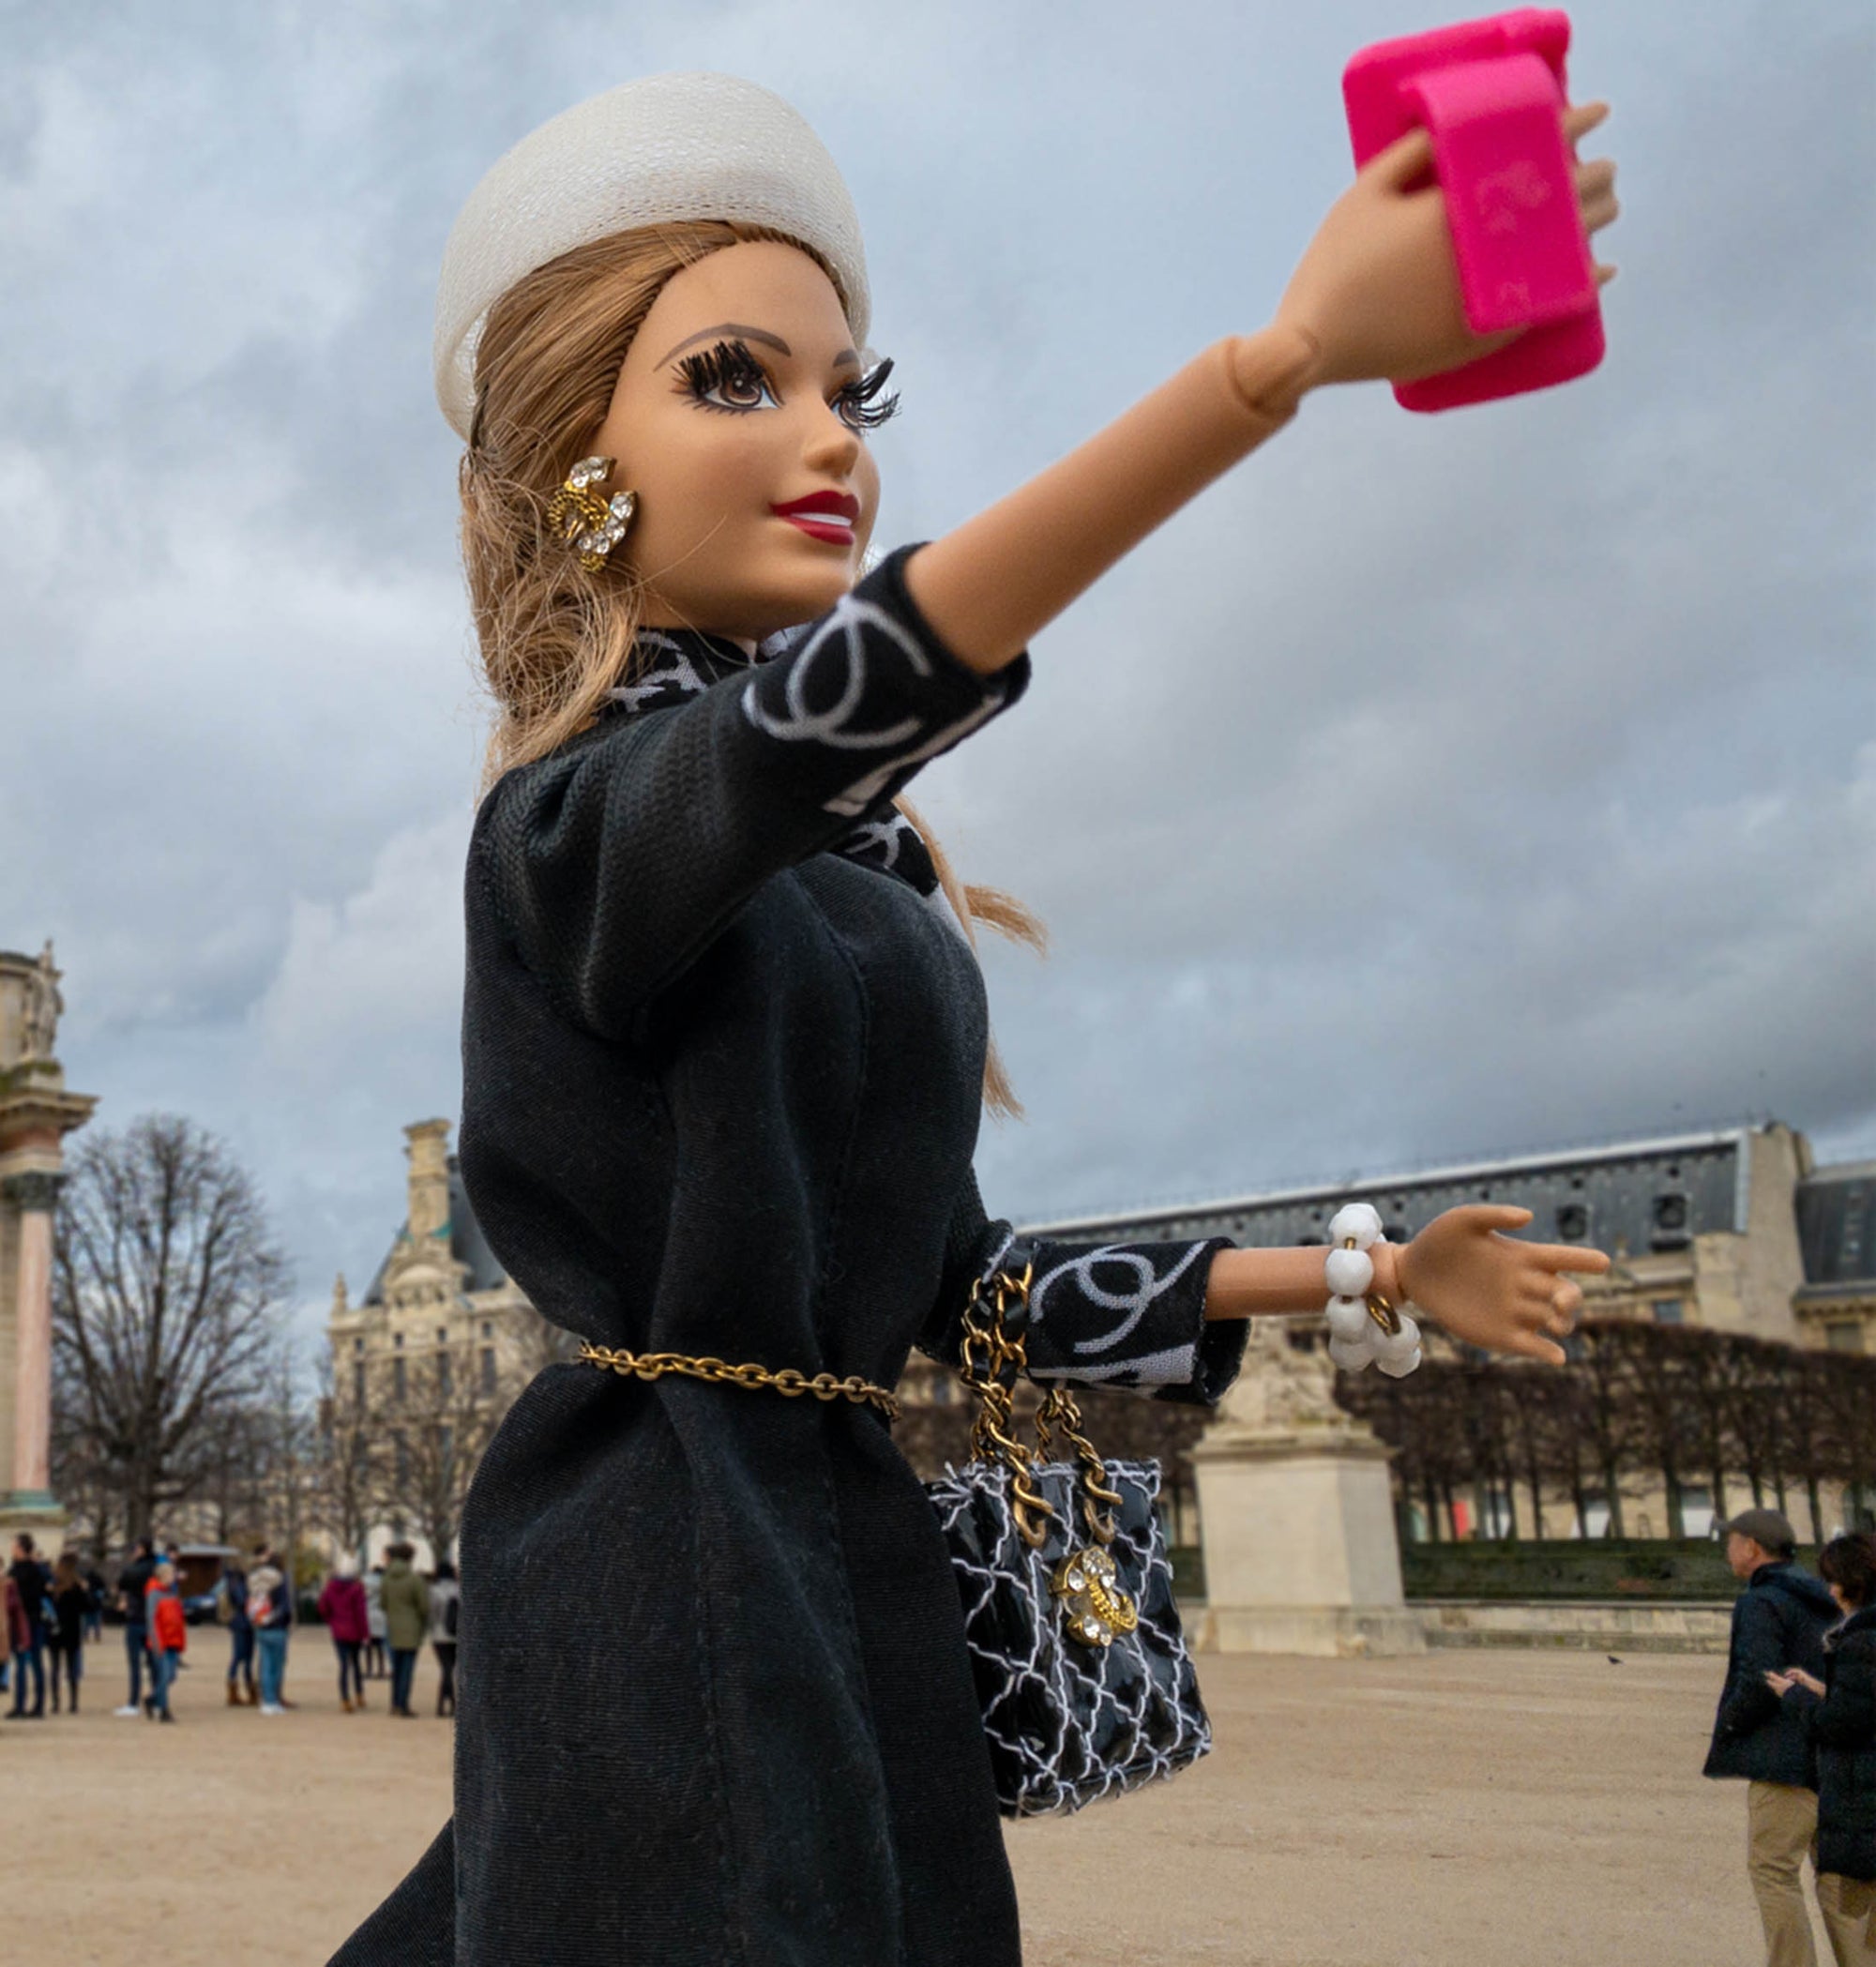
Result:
x=34 y=1195
x=36 y=1113
x=1297 y=1516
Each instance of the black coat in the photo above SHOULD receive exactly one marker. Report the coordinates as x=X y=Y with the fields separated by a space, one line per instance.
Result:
x=721 y=1087
x=1842 y=1729
x=1778 y=1621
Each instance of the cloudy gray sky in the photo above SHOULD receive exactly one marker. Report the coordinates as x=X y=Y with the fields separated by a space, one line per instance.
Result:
x=1434 y=788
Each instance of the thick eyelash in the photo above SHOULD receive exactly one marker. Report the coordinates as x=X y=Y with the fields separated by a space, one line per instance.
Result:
x=861 y=405
x=725 y=365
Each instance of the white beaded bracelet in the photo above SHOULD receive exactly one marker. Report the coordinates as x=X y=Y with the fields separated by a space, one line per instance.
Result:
x=1364 y=1327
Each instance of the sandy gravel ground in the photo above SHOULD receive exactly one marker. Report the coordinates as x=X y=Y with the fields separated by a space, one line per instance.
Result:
x=1504 y=1810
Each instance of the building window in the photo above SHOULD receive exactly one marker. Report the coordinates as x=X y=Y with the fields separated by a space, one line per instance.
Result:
x=489 y=1370
x=1573 y=1221
x=446 y=1443
x=359 y=1382
x=488 y=1330
x=399 y=1341
x=1672 y=1216
x=357 y=1345
x=444 y=1376
x=1667 y=1310
x=1845 y=1335
x=401 y=1449
x=442 y=1335
x=398 y=1382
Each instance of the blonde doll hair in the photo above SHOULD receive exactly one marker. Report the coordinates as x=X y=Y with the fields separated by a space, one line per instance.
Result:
x=554 y=640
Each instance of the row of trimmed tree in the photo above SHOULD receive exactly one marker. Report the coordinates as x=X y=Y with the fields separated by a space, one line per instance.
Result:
x=1639 y=1406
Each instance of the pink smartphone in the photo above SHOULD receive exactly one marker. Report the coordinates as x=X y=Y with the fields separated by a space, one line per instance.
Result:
x=1491 y=93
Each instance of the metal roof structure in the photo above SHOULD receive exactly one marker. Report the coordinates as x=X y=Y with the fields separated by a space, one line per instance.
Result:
x=467 y=1245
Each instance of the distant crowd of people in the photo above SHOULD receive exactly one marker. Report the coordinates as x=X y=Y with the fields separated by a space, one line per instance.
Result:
x=53 y=1612
x=1797 y=1720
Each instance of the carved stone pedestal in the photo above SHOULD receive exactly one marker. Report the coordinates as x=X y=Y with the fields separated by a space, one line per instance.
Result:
x=1298 y=1519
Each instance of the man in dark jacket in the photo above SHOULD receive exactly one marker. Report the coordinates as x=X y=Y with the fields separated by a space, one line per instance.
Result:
x=1778 y=1621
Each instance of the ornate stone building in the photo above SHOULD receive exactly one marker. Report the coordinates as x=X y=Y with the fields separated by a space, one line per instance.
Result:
x=36 y=1113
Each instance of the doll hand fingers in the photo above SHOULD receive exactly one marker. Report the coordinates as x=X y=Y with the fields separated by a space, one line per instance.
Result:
x=1583 y=117
x=1480 y=1216
x=1564 y=1256
x=1599 y=211
x=1604 y=274
x=1594 y=179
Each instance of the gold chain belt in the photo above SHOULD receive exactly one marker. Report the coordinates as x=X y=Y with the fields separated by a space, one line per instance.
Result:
x=785 y=1380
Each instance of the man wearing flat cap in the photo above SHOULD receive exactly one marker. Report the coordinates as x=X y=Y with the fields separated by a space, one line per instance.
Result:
x=1778 y=1621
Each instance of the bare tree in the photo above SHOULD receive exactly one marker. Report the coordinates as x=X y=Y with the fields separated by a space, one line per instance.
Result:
x=438 y=1428
x=350 y=1467
x=169 y=1298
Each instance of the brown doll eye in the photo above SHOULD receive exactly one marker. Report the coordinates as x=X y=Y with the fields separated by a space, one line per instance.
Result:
x=726 y=377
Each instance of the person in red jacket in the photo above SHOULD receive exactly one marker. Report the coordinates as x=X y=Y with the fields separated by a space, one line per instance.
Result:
x=169 y=1638
x=343 y=1606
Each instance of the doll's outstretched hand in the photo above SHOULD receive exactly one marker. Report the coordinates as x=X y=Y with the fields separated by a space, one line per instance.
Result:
x=1378 y=290
x=1494 y=1289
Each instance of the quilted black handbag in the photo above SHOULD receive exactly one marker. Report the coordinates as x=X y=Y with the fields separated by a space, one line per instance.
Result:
x=1087 y=1686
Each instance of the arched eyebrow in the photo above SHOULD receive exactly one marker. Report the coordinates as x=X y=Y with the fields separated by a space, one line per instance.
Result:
x=848 y=357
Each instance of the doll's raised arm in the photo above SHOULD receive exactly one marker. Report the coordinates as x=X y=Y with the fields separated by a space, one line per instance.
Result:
x=1376 y=295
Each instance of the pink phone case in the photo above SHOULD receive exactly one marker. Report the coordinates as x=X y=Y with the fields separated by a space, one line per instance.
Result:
x=1491 y=93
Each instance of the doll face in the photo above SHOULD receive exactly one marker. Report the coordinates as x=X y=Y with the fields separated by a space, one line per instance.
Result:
x=741 y=397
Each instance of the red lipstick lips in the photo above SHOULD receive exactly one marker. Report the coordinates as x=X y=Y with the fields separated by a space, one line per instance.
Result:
x=829 y=516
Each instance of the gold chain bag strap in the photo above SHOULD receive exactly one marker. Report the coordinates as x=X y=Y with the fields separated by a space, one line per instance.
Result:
x=1082 y=1670
x=1095 y=1608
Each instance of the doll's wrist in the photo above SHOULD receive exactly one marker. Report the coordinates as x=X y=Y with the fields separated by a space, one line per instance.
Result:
x=1388 y=1281
x=1273 y=370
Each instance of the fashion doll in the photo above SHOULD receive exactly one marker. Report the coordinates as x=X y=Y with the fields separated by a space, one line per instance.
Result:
x=725 y=1042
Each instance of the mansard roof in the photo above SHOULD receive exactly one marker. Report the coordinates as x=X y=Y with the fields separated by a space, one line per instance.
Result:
x=467 y=1245
x=1631 y=1196
x=1836 y=1225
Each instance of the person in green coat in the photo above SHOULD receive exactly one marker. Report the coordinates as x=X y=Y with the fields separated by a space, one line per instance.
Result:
x=406 y=1621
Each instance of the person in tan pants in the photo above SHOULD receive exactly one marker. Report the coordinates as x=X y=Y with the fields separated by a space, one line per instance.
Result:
x=1779 y=1621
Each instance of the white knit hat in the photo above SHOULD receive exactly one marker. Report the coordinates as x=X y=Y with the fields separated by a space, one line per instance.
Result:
x=667 y=148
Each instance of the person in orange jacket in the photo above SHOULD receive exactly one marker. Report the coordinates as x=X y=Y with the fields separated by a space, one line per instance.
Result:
x=169 y=1638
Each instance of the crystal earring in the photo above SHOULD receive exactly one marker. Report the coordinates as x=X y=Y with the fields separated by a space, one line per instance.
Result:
x=591 y=525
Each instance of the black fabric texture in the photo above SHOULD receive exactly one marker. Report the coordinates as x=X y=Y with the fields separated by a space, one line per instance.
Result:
x=1778 y=1621
x=1842 y=1729
x=722 y=1081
